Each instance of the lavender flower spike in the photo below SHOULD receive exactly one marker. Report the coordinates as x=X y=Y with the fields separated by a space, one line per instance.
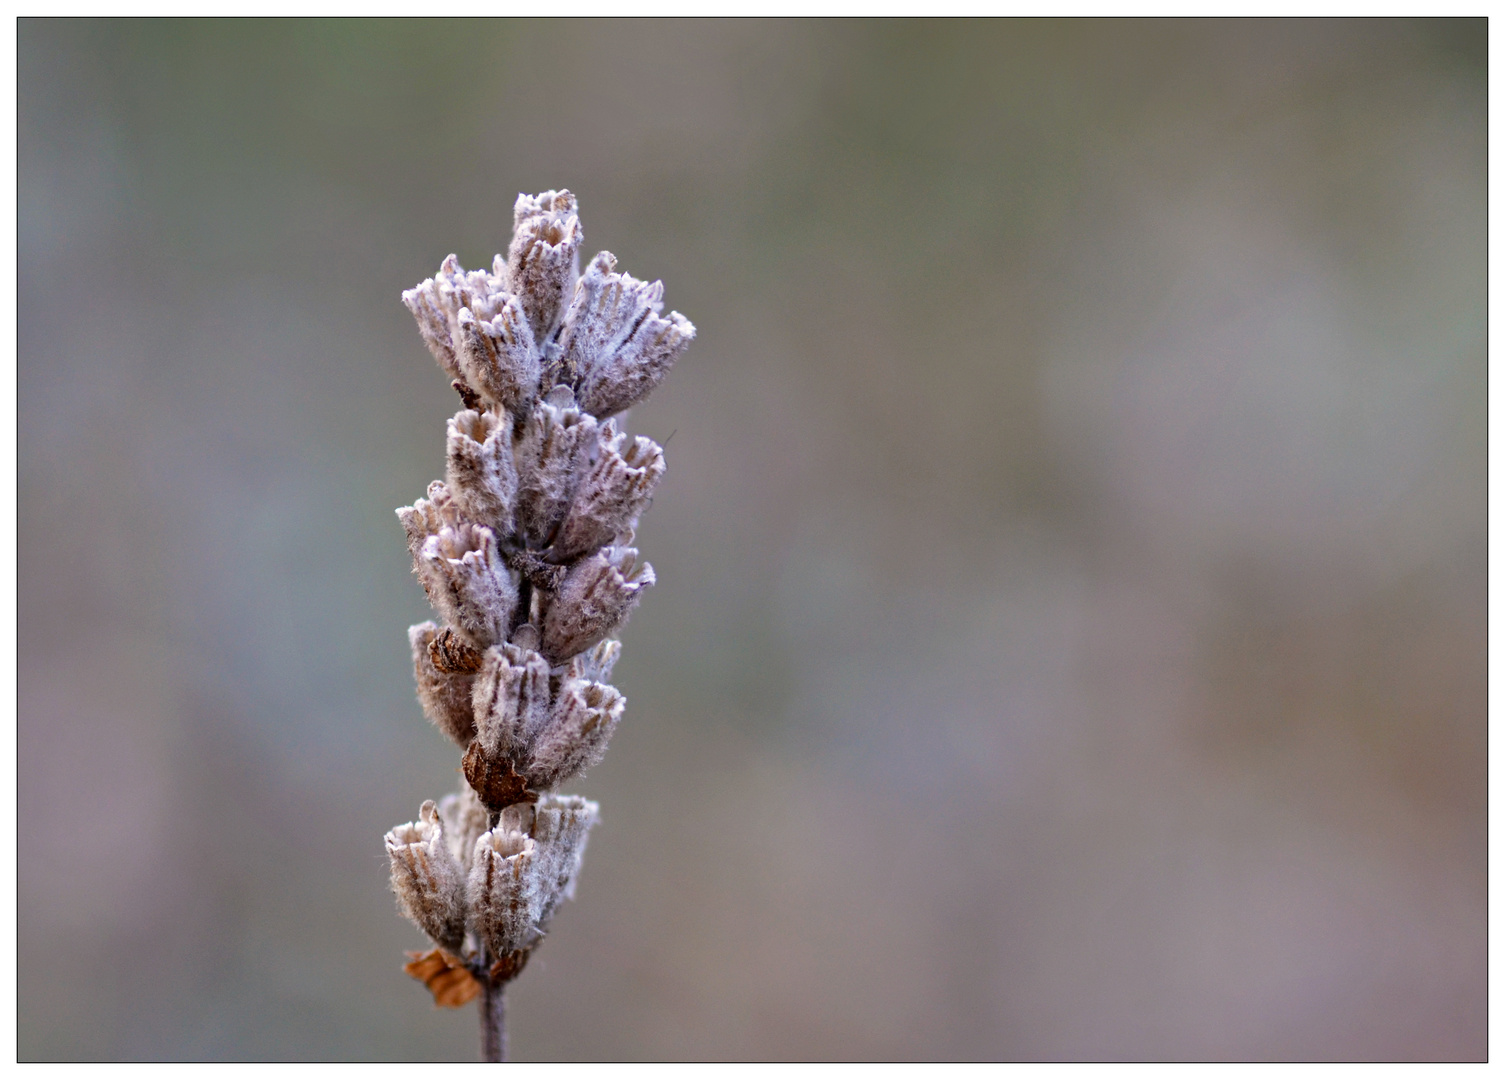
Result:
x=524 y=552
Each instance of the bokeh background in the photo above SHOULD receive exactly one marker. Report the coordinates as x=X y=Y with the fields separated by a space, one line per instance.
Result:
x=1070 y=636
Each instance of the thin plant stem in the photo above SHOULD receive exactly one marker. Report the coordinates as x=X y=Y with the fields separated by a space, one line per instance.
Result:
x=493 y=1020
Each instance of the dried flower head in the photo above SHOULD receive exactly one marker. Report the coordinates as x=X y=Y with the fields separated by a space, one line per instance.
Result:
x=523 y=868
x=524 y=550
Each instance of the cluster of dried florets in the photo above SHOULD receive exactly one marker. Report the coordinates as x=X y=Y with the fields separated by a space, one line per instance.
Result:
x=457 y=875
x=525 y=552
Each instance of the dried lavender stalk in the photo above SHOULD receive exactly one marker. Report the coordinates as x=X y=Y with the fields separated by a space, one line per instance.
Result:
x=524 y=552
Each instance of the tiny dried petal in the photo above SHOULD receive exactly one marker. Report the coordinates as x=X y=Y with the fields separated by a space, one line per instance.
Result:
x=510 y=700
x=543 y=260
x=555 y=442
x=595 y=598
x=446 y=977
x=428 y=880
x=638 y=365
x=468 y=583
x=479 y=472
x=445 y=696
x=499 y=356
x=510 y=966
x=595 y=664
x=609 y=499
x=585 y=716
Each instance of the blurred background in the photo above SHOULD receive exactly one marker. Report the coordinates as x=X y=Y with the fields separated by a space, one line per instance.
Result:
x=1070 y=631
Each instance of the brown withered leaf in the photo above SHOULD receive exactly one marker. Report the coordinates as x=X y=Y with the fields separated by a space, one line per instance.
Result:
x=495 y=780
x=509 y=966
x=452 y=656
x=446 y=976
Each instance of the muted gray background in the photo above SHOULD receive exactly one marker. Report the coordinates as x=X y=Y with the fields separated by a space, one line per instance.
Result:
x=1070 y=636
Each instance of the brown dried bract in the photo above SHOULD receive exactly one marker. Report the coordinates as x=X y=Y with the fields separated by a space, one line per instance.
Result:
x=510 y=966
x=495 y=780
x=446 y=976
x=544 y=575
x=470 y=397
x=452 y=656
